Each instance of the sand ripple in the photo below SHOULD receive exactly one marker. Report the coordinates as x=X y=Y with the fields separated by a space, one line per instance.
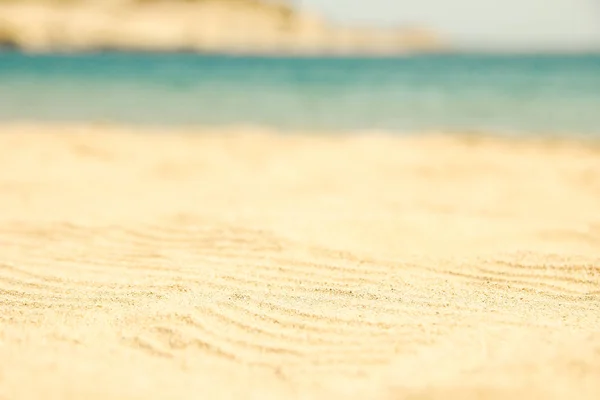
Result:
x=250 y=265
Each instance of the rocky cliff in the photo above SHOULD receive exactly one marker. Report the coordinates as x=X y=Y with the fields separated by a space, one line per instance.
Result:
x=230 y=26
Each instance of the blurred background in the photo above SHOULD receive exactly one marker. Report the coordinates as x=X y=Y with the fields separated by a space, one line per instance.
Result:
x=524 y=67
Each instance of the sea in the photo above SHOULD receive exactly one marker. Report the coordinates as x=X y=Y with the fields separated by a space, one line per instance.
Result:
x=543 y=94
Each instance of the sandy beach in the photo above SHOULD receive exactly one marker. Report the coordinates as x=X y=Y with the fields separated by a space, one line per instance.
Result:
x=248 y=264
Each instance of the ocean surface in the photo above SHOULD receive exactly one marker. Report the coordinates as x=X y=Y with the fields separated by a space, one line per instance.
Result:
x=506 y=94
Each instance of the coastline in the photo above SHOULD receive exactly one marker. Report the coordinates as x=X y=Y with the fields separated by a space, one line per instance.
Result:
x=161 y=263
x=242 y=27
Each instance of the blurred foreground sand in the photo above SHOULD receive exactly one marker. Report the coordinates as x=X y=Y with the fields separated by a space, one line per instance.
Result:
x=246 y=264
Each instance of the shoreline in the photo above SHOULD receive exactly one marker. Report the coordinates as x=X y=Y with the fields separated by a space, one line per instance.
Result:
x=465 y=135
x=442 y=52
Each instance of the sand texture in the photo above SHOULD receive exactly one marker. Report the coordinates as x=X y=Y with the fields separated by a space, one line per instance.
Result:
x=252 y=265
x=223 y=26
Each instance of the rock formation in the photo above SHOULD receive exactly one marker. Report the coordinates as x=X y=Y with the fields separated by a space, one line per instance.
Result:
x=222 y=26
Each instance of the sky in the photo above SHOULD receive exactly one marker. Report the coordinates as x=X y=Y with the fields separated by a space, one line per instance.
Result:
x=500 y=24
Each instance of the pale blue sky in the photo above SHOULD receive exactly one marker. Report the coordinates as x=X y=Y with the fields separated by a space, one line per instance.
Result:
x=563 y=24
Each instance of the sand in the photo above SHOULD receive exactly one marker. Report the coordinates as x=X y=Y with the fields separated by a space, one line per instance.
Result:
x=252 y=264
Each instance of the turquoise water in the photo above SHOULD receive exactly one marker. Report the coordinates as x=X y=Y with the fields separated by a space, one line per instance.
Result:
x=523 y=94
